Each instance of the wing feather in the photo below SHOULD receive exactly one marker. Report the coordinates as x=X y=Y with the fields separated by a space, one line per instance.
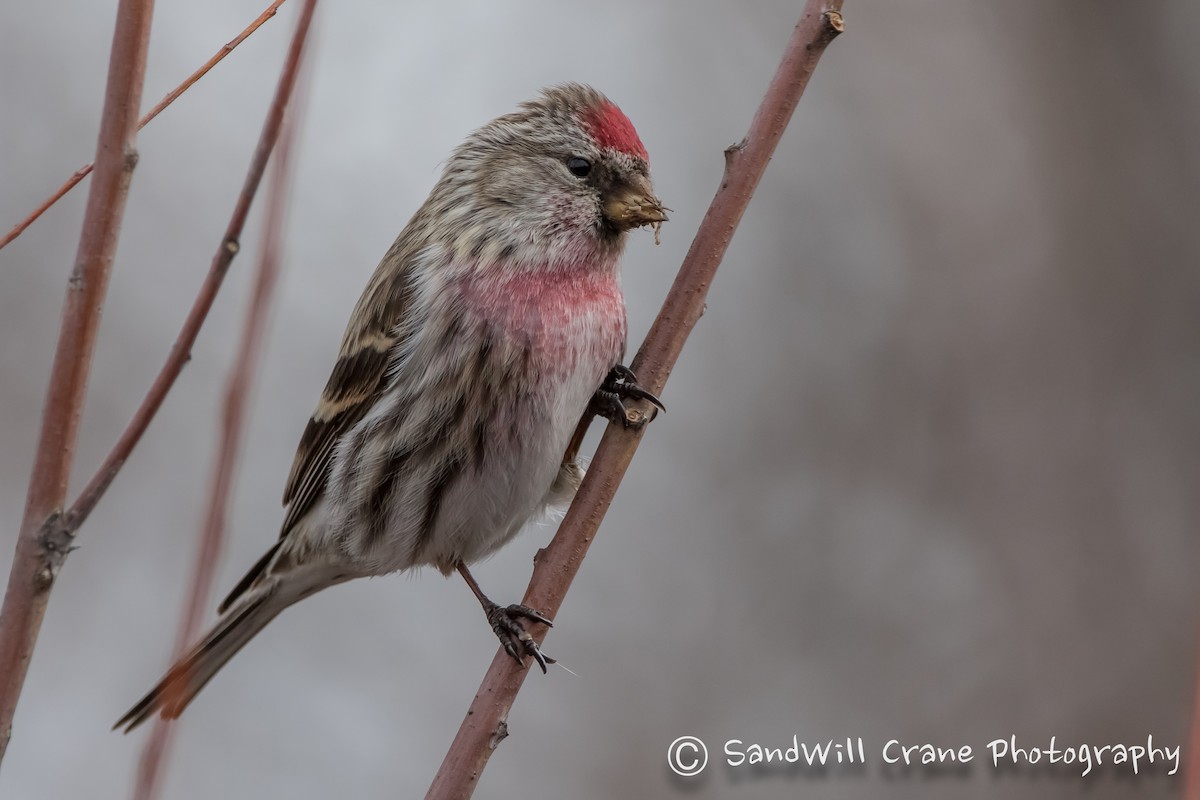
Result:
x=359 y=377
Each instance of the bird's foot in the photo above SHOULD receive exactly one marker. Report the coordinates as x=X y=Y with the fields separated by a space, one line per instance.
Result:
x=620 y=385
x=516 y=641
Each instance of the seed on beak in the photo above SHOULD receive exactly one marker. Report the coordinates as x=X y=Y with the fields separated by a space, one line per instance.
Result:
x=635 y=206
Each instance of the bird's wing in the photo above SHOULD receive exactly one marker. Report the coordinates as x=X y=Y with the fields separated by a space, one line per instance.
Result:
x=358 y=378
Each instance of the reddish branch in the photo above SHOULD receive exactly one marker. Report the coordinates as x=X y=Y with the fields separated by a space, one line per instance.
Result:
x=485 y=725
x=86 y=169
x=47 y=533
x=181 y=350
x=40 y=553
x=233 y=418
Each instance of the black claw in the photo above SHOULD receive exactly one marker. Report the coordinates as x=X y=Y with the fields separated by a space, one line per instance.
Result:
x=513 y=637
x=541 y=659
x=638 y=393
x=622 y=381
x=621 y=384
x=608 y=405
x=528 y=613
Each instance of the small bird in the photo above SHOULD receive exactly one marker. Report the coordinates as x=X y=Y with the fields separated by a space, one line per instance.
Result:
x=490 y=334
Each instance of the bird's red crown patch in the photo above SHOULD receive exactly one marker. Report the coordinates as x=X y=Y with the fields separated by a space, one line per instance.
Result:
x=609 y=126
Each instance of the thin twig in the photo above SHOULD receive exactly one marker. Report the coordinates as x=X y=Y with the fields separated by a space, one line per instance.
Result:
x=485 y=725
x=47 y=534
x=181 y=350
x=42 y=546
x=233 y=418
x=171 y=97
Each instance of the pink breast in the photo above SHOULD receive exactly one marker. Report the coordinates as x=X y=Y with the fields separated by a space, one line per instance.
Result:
x=561 y=311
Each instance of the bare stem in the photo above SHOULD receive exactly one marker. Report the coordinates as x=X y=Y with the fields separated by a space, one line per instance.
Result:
x=48 y=532
x=486 y=722
x=181 y=350
x=171 y=97
x=41 y=545
x=237 y=391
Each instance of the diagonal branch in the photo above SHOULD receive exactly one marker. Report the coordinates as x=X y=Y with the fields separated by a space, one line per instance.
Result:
x=47 y=532
x=39 y=554
x=181 y=350
x=485 y=725
x=233 y=418
x=171 y=97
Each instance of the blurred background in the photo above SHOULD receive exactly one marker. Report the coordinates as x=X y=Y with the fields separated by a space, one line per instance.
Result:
x=930 y=466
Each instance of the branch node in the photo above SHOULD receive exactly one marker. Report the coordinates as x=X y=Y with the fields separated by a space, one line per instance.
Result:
x=636 y=417
x=732 y=152
x=56 y=541
x=834 y=24
x=500 y=734
x=131 y=158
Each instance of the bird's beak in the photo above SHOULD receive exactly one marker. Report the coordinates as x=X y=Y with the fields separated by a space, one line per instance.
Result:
x=633 y=204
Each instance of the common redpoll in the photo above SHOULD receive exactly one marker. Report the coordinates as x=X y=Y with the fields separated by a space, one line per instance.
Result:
x=489 y=334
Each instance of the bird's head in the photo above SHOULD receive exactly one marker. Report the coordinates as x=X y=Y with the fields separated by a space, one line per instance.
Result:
x=564 y=176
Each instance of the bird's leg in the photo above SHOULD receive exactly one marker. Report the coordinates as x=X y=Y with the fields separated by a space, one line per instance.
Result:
x=513 y=637
x=621 y=384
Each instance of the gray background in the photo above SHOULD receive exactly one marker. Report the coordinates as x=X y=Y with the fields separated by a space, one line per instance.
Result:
x=930 y=466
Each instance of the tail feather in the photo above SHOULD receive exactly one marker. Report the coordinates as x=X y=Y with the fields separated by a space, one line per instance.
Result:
x=248 y=580
x=191 y=673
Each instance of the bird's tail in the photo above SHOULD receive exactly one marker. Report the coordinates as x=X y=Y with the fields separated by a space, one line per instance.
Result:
x=236 y=627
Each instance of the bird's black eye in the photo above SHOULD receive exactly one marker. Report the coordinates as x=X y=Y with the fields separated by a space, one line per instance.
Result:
x=580 y=167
